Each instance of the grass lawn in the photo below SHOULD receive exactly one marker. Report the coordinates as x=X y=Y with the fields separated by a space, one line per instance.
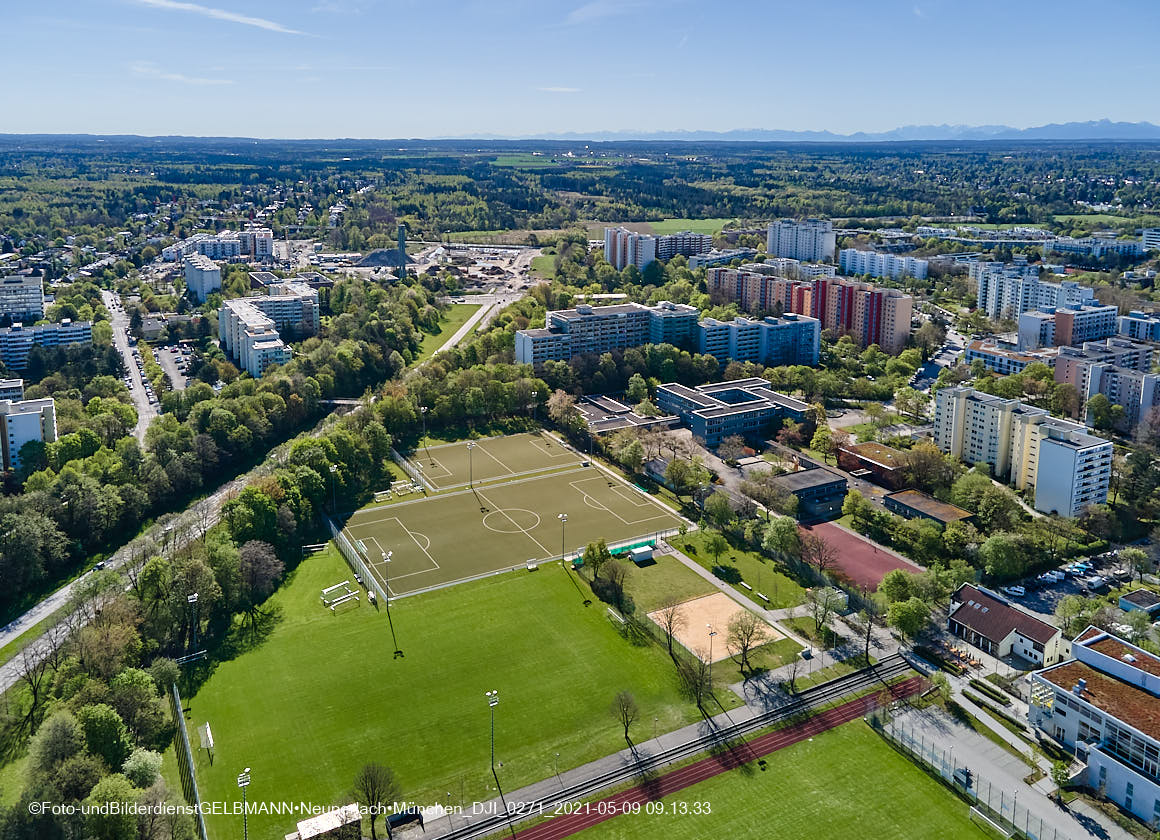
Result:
x=804 y=625
x=847 y=782
x=759 y=572
x=830 y=672
x=322 y=695
x=544 y=265
x=455 y=317
x=13 y=777
x=13 y=648
x=710 y=226
x=772 y=655
x=650 y=586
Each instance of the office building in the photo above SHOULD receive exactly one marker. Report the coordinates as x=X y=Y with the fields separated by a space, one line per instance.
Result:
x=23 y=421
x=1006 y=290
x=746 y=407
x=715 y=257
x=871 y=314
x=788 y=340
x=251 y=328
x=812 y=239
x=623 y=247
x=1066 y=325
x=1067 y=467
x=1141 y=326
x=202 y=276
x=1150 y=239
x=17 y=341
x=853 y=261
x=1104 y=703
x=12 y=389
x=599 y=329
x=22 y=297
x=993 y=624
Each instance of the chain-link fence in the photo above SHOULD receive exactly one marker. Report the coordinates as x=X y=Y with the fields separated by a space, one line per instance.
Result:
x=991 y=802
x=185 y=766
x=355 y=559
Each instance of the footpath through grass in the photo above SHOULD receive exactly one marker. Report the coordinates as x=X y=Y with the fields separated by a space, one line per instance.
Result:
x=322 y=694
x=847 y=782
x=455 y=317
x=759 y=572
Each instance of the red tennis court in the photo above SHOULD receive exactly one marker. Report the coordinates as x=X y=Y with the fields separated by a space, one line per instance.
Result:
x=858 y=559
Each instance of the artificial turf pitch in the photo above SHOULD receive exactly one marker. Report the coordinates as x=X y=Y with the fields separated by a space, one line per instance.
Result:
x=321 y=695
x=500 y=525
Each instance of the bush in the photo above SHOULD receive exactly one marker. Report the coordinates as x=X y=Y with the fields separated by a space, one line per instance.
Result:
x=990 y=690
x=932 y=655
x=995 y=710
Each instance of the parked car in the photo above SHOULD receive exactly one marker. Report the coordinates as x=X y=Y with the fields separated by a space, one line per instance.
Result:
x=1014 y=591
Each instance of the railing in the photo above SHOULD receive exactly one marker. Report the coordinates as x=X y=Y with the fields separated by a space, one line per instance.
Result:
x=355 y=559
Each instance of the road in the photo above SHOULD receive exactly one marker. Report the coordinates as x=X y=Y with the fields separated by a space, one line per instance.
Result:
x=146 y=411
x=951 y=349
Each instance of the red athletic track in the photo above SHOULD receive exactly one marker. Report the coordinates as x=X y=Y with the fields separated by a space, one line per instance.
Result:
x=670 y=783
x=859 y=559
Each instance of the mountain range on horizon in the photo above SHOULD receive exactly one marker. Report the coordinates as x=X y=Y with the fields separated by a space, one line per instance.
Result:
x=1090 y=130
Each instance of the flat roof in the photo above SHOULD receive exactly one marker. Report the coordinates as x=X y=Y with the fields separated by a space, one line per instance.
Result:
x=805 y=479
x=1144 y=598
x=1119 y=699
x=880 y=454
x=929 y=505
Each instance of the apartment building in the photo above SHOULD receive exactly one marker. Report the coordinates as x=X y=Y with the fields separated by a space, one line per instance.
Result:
x=788 y=340
x=17 y=341
x=871 y=314
x=599 y=329
x=22 y=297
x=1066 y=325
x=251 y=328
x=12 y=389
x=1104 y=703
x=623 y=247
x=812 y=239
x=202 y=276
x=257 y=242
x=746 y=407
x=1006 y=290
x=1095 y=246
x=715 y=257
x=1005 y=359
x=1150 y=239
x=853 y=261
x=222 y=246
x=1118 y=369
x=23 y=421
x=1142 y=326
x=1067 y=467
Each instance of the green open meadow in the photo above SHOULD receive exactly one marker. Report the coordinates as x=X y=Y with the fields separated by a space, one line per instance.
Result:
x=456 y=316
x=321 y=695
x=760 y=572
x=847 y=782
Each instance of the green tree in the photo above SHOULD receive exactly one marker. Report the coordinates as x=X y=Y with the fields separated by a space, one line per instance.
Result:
x=116 y=822
x=716 y=544
x=105 y=733
x=637 y=389
x=895 y=585
x=823 y=441
x=781 y=537
x=719 y=509
x=908 y=617
x=1136 y=561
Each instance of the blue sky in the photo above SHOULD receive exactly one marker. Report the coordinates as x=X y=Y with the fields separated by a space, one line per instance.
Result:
x=429 y=68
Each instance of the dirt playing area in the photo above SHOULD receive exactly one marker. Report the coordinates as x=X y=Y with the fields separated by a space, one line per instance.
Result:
x=710 y=612
x=859 y=560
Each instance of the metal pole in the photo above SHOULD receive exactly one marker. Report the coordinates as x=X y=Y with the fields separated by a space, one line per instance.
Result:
x=243 y=783
x=558 y=779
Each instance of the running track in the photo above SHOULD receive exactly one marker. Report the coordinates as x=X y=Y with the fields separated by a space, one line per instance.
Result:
x=670 y=783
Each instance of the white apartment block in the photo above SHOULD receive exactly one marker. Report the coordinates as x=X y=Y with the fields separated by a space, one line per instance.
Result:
x=1150 y=239
x=791 y=269
x=17 y=341
x=257 y=242
x=225 y=245
x=22 y=297
x=686 y=242
x=24 y=421
x=1096 y=246
x=599 y=329
x=1006 y=290
x=1066 y=325
x=249 y=327
x=12 y=389
x=1104 y=703
x=812 y=240
x=202 y=276
x=623 y=248
x=853 y=261
x=1068 y=468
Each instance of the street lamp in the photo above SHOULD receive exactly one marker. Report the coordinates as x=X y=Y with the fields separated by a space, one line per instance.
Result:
x=563 y=517
x=492 y=702
x=470 y=463
x=712 y=633
x=333 y=504
x=243 y=783
x=423 y=415
x=558 y=779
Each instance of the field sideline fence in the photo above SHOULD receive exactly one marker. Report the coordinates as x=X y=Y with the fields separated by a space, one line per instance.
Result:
x=370 y=581
x=185 y=766
x=409 y=469
x=994 y=802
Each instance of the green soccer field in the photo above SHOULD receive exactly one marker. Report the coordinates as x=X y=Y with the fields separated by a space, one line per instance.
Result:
x=321 y=694
x=844 y=783
x=452 y=465
x=453 y=536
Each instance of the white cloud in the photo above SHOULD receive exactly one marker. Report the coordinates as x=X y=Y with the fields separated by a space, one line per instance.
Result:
x=151 y=70
x=558 y=89
x=219 y=14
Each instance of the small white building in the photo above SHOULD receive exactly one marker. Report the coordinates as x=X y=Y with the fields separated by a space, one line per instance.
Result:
x=24 y=421
x=996 y=626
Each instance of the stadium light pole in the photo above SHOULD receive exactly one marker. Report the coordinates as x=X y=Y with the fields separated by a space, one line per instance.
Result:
x=492 y=702
x=243 y=783
x=192 y=599
x=563 y=517
x=535 y=397
x=387 y=555
x=333 y=504
x=470 y=463
x=423 y=414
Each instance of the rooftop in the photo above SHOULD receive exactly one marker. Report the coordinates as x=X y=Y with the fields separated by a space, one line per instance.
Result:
x=930 y=506
x=1145 y=599
x=1117 y=698
x=1117 y=649
x=878 y=453
x=806 y=479
x=993 y=618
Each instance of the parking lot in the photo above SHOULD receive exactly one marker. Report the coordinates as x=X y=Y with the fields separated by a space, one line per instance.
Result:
x=174 y=360
x=1045 y=597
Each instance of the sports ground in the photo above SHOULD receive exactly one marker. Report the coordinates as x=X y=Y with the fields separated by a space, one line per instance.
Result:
x=860 y=560
x=506 y=518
